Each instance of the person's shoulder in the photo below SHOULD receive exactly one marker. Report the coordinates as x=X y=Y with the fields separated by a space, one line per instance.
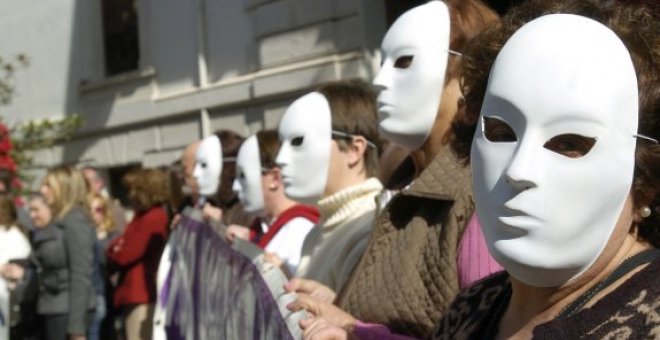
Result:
x=75 y=216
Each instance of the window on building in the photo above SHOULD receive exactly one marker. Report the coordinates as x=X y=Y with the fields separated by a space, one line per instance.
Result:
x=120 y=36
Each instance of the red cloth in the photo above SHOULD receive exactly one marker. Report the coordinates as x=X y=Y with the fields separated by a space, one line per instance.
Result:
x=138 y=255
x=300 y=210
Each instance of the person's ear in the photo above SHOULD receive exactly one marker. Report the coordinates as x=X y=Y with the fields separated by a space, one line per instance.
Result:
x=276 y=178
x=356 y=150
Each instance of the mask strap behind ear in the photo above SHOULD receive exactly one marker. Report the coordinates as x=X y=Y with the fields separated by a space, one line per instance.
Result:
x=458 y=54
x=347 y=135
x=652 y=140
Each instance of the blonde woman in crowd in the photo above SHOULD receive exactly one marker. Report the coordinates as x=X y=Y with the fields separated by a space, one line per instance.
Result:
x=104 y=224
x=13 y=245
x=64 y=256
x=67 y=265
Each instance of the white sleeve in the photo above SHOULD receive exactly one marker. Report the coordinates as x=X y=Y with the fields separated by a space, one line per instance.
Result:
x=288 y=242
x=15 y=244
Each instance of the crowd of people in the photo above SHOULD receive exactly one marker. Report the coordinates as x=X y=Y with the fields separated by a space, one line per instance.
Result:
x=526 y=203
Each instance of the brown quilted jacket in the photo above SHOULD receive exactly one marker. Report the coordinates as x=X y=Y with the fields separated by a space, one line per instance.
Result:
x=408 y=275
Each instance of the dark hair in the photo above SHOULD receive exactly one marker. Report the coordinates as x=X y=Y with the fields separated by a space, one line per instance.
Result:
x=639 y=31
x=147 y=188
x=269 y=146
x=467 y=19
x=353 y=108
x=8 y=214
x=231 y=143
x=5 y=179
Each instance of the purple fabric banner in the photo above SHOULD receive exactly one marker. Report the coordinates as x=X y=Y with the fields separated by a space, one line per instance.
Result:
x=214 y=292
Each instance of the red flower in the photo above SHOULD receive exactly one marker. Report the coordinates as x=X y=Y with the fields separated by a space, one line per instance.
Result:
x=7 y=163
x=5 y=145
x=5 y=141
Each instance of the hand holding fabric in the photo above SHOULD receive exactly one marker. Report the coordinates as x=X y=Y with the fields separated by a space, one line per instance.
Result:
x=321 y=329
x=327 y=311
x=210 y=212
x=312 y=288
x=237 y=231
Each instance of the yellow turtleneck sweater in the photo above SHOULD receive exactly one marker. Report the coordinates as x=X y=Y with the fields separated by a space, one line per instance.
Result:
x=333 y=248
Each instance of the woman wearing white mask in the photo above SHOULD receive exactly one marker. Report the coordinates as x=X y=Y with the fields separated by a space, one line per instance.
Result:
x=282 y=224
x=566 y=167
x=329 y=157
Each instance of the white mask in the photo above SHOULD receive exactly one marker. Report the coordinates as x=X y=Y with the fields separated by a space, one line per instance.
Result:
x=247 y=184
x=304 y=157
x=409 y=97
x=546 y=216
x=208 y=165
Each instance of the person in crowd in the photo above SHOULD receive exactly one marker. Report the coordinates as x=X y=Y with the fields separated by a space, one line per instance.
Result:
x=282 y=223
x=96 y=185
x=591 y=267
x=192 y=198
x=566 y=167
x=190 y=189
x=64 y=254
x=40 y=212
x=104 y=223
x=14 y=245
x=21 y=278
x=329 y=157
x=23 y=217
x=398 y=283
x=214 y=172
x=137 y=251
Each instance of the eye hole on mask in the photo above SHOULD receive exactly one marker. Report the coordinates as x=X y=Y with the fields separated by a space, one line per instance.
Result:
x=570 y=145
x=498 y=131
x=404 y=61
x=297 y=141
x=203 y=165
x=240 y=175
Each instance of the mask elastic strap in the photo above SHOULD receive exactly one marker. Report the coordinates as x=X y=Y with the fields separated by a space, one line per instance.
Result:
x=653 y=140
x=347 y=135
x=458 y=54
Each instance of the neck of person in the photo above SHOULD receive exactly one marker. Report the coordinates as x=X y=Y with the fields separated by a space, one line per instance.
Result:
x=277 y=206
x=423 y=156
x=531 y=306
x=348 y=179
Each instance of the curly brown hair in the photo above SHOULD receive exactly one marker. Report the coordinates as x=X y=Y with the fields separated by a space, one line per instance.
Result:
x=639 y=30
x=147 y=188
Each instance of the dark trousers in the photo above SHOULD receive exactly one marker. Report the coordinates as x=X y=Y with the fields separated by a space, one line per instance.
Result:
x=55 y=325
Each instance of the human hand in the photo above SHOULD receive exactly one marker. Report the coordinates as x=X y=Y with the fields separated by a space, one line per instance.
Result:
x=237 y=231
x=321 y=329
x=210 y=212
x=273 y=259
x=117 y=245
x=327 y=311
x=12 y=271
x=77 y=337
x=312 y=288
x=175 y=221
